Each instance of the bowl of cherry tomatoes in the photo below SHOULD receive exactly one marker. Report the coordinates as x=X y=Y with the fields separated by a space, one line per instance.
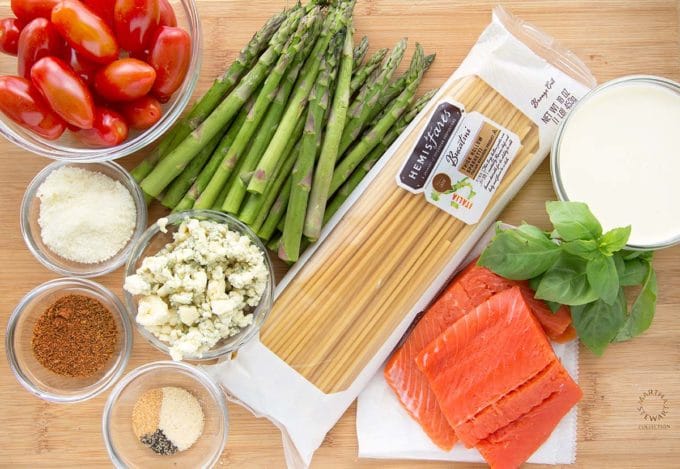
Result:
x=95 y=80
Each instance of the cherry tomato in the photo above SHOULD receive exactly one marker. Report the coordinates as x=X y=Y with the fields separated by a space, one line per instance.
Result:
x=22 y=103
x=64 y=91
x=37 y=40
x=124 y=80
x=84 y=68
x=27 y=10
x=103 y=9
x=168 y=17
x=85 y=31
x=109 y=129
x=135 y=22
x=10 y=29
x=169 y=56
x=142 y=113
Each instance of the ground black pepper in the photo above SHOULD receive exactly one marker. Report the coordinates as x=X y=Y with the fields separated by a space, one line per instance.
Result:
x=159 y=443
x=75 y=336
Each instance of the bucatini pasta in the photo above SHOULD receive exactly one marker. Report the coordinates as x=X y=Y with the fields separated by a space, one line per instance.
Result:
x=371 y=270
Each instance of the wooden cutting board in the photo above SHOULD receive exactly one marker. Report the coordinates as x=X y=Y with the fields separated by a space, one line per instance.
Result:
x=614 y=38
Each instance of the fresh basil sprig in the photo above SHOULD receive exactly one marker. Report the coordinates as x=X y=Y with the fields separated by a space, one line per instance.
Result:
x=579 y=265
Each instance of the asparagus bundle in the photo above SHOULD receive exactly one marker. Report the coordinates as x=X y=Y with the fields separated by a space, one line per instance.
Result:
x=290 y=129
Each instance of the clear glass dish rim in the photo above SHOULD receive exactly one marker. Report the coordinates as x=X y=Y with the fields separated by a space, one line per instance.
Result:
x=201 y=376
x=108 y=379
x=554 y=153
x=261 y=311
x=120 y=257
x=57 y=152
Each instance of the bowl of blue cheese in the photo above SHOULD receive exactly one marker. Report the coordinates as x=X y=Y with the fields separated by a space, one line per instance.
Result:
x=198 y=285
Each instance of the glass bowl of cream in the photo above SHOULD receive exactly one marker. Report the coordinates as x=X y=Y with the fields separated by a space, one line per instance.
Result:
x=617 y=152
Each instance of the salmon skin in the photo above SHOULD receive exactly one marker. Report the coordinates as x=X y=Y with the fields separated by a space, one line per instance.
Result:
x=485 y=355
x=470 y=288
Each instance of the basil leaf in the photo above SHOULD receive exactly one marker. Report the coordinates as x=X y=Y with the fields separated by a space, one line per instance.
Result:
x=603 y=277
x=553 y=306
x=534 y=282
x=573 y=220
x=642 y=312
x=615 y=240
x=584 y=248
x=635 y=272
x=628 y=255
x=598 y=323
x=516 y=255
x=620 y=265
x=566 y=282
x=531 y=231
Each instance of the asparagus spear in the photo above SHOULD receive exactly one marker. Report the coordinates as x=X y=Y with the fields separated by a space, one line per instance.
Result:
x=255 y=116
x=263 y=172
x=360 y=51
x=173 y=164
x=257 y=206
x=216 y=158
x=179 y=187
x=331 y=144
x=303 y=170
x=276 y=213
x=362 y=107
x=371 y=138
x=213 y=96
x=358 y=175
x=273 y=243
x=396 y=87
x=362 y=73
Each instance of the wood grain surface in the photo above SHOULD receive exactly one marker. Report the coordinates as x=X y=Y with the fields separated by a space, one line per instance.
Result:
x=614 y=38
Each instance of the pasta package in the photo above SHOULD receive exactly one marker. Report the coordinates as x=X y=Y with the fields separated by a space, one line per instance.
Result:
x=400 y=236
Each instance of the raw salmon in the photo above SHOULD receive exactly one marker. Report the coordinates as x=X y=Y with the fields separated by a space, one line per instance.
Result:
x=510 y=446
x=470 y=288
x=554 y=324
x=488 y=353
x=514 y=405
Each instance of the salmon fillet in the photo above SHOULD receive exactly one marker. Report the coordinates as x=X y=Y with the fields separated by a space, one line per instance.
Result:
x=485 y=355
x=554 y=324
x=512 y=445
x=514 y=405
x=470 y=288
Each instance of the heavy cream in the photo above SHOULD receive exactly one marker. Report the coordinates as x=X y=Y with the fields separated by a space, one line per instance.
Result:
x=619 y=153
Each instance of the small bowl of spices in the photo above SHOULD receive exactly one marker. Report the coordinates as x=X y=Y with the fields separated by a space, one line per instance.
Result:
x=82 y=219
x=68 y=340
x=165 y=414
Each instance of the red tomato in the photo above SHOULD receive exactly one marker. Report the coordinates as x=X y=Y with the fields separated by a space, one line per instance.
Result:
x=27 y=10
x=142 y=113
x=84 y=68
x=10 y=29
x=64 y=91
x=109 y=129
x=37 y=40
x=135 y=22
x=103 y=9
x=85 y=31
x=22 y=103
x=169 y=56
x=168 y=17
x=124 y=80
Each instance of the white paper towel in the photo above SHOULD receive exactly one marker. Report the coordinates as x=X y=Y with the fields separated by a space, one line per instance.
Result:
x=386 y=431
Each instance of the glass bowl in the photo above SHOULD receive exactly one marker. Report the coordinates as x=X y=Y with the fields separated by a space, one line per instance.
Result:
x=43 y=382
x=557 y=174
x=125 y=450
x=70 y=149
x=30 y=229
x=154 y=239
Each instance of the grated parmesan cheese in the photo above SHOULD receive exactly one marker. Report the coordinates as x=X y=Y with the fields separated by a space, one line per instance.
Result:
x=85 y=216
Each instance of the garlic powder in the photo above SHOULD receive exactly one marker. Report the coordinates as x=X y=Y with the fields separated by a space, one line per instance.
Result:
x=200 y=288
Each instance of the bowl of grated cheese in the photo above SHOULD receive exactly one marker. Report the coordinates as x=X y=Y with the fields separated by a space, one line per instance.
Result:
x=82 y=219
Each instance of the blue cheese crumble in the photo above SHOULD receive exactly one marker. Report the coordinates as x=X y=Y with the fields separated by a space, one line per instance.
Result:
x=200 y=288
